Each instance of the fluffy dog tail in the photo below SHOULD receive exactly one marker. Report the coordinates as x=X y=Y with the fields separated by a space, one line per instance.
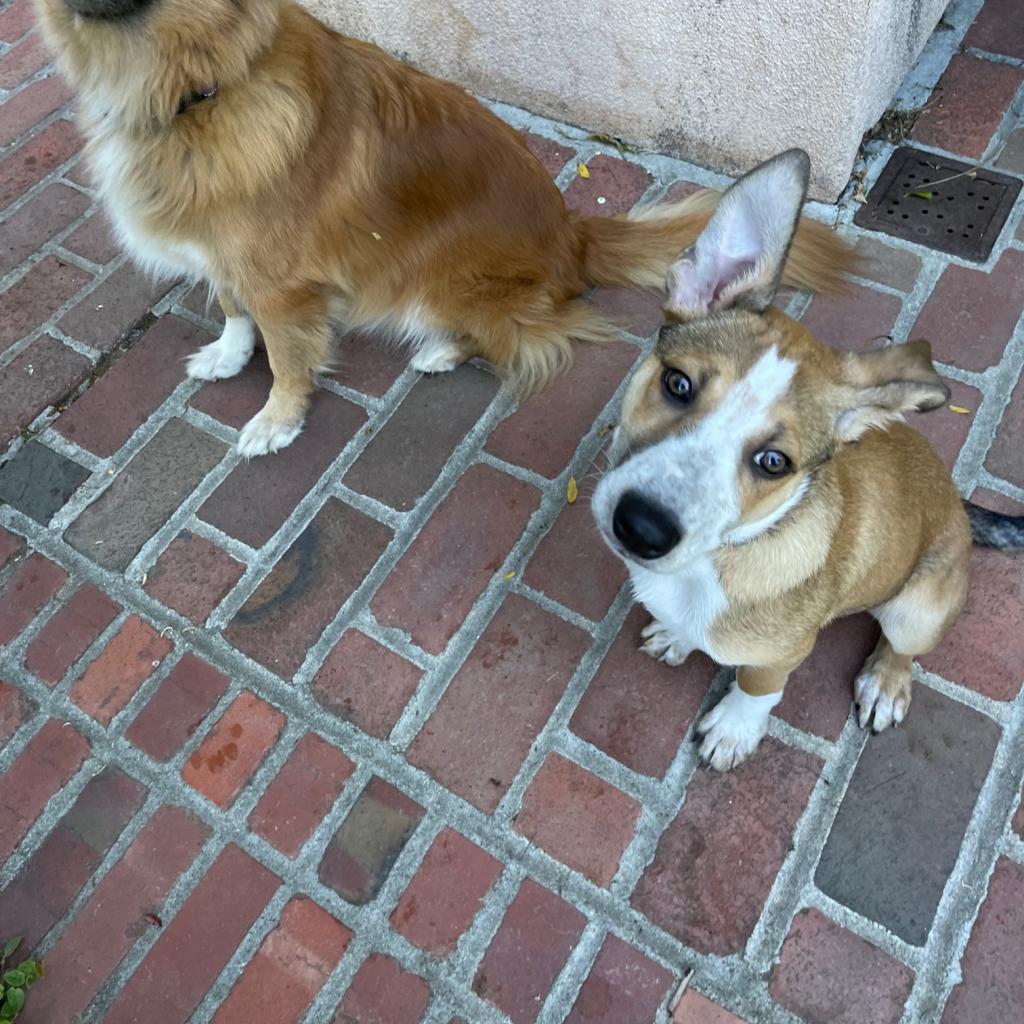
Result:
x=994 y=530
x=636 y=249
x=534 y=346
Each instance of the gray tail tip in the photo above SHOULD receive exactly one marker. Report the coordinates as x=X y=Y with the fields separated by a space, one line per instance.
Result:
x=994 y=530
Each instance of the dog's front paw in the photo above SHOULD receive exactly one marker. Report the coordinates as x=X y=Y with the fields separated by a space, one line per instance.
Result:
x=734 y=727
x=659 y=642
x=881 y=702
x=225 y=357
x=263 y=434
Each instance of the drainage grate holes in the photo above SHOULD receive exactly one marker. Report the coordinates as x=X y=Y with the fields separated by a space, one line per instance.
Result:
x=907 y=200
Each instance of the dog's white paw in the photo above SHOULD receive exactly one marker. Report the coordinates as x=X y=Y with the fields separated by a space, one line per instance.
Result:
x=437 y=356
x=228 y=355
x=263 y=435
x=734 y=727
x=659 y=642
x=875 y=706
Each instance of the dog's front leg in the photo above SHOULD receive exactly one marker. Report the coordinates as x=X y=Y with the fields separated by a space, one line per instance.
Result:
x=229 y=354
x=297 y=334
x=734 y=727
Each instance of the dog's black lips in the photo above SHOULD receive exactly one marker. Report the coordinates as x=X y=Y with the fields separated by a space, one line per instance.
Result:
x=108 y=10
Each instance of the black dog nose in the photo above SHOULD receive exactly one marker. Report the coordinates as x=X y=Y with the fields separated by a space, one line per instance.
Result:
x=643 y=528
x=107 y=10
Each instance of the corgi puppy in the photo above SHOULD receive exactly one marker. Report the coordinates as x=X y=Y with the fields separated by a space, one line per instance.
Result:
x=764 y=484
x=307 y=176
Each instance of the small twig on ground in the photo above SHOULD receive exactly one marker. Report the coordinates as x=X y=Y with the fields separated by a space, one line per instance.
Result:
x=972 y=173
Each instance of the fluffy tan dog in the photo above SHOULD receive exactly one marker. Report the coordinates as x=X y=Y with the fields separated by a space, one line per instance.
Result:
x=306 y=175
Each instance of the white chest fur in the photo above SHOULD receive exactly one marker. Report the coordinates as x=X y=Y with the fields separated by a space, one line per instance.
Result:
x=155 y=254
x=685 y=603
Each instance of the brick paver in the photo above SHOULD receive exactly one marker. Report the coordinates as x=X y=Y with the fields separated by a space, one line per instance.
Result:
x=360 y=732
x=446 y=893
x=362 y=852
x=235 y=747
x=536 y=936
x=825 y=972
x=578 y=818
x=292 y=964
x=317 y=771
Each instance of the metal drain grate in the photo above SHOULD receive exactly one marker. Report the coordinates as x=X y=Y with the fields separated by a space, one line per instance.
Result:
x=930 y=200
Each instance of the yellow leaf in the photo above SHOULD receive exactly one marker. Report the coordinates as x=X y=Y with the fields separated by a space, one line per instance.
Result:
x=581 y=169
x=572 y=491
x=509 y=575
x=960 y=409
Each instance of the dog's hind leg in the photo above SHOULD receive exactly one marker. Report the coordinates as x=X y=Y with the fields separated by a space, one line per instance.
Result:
x=298 y=338
x=913 y=622
x=438 y=353
x=228 y=355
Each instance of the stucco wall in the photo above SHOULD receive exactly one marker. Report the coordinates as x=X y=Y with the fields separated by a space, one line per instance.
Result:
x=723 y=83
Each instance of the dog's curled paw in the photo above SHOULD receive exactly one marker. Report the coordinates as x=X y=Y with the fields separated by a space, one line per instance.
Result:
x=659 y=642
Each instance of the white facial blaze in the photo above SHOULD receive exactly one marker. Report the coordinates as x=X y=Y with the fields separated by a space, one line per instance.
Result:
x=695 y=477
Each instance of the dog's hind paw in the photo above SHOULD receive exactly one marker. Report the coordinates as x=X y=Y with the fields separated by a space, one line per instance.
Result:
x=876 y=706
x=227 y=356
x=659 y=642
x=438 y=354
x=263 y=435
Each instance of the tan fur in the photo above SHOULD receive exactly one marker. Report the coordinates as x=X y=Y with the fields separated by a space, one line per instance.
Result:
x=325 y=171
x=881 y=527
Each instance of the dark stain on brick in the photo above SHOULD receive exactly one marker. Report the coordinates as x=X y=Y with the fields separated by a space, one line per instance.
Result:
x=290 y=579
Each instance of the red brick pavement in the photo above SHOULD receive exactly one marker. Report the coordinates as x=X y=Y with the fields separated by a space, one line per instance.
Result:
x=360 y=732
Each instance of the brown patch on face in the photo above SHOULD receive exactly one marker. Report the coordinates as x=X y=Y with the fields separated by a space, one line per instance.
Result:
x=713 y=353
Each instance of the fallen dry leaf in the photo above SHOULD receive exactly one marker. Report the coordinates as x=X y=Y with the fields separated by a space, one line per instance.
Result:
x=572 y=490
x=581 y=170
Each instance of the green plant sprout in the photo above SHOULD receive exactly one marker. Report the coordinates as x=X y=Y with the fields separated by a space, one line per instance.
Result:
x=16 y=981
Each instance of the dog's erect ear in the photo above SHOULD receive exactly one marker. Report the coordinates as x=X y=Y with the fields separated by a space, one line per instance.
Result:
x=739 y=256
x=879 y=387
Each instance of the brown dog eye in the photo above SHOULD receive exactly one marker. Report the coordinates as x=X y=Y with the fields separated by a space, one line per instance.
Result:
x=772 y=463
x=677 y=386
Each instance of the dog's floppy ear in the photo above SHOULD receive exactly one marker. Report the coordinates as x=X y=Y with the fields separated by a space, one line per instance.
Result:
x=879 y=387
x=739 y=256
